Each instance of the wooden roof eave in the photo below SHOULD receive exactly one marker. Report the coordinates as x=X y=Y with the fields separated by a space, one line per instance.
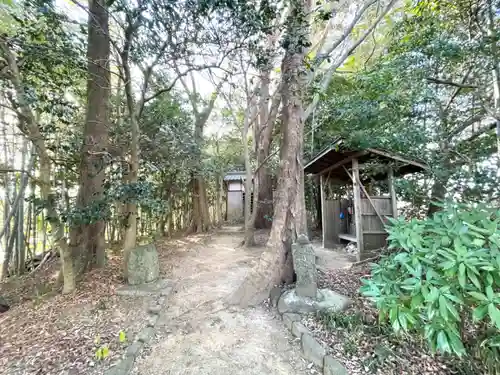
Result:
x=398 y=158
x=343 y=162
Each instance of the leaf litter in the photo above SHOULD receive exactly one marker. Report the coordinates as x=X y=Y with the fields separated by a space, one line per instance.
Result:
x=45 y=332
x=355 y=338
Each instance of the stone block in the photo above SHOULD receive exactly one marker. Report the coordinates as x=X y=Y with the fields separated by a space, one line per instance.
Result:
x=298 y=329
x=134 y=349
x=124 y=367
x=333 y=367
x=304 y=263
x=289 y=318
x=154 y=309
x=325 y=300
x=312 y=350
x=152 y=320
x=143 y=265
x=145 y=335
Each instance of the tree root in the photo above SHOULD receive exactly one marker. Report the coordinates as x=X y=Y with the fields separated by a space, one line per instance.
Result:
x=256 y=287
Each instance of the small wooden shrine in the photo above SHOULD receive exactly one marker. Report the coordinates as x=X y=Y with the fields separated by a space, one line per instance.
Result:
x=358 y=214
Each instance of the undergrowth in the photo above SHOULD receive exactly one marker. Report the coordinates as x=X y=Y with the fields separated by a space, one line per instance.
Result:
x=377 y=344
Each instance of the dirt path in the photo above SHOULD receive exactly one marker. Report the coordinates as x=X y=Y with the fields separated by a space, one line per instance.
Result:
x=197 y=334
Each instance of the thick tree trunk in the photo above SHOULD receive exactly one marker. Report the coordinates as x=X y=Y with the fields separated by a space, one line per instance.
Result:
x=90 y=242
x=275 y=264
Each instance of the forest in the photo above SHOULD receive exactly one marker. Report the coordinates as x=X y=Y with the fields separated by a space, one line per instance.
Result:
x=120 y=119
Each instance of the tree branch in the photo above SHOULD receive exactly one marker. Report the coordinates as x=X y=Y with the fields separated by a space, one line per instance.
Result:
x=346 y=32
x=451 y=83
x=328 y=75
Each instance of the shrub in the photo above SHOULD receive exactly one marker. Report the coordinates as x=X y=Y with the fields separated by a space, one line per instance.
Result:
x=443 y=281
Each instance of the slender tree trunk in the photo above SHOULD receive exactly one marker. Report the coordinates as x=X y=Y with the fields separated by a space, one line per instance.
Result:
x=249 y=223
x=29 y=225
x=495 y=72
x=10 y=248
x=130 y=240
x=6 y=199
x=275 y=265
x=218 y=199
x=263 y=138
x=46 y=193
x=21 y=250
x=317 y=201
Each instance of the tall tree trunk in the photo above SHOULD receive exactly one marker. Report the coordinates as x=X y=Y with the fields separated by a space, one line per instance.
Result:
x=249 y=218
x=263 y=138
x=6 y=199
x=275 y=264
x=201 y=218
x=218 y=199
x=492 y=10
x=90 y=241
x=21 y=250
x=34 y=239
x=28 y=238
x=130 y=239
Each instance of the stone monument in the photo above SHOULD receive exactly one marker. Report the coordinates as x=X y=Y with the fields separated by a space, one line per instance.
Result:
x=306 y=297
x=143 y=265
x=304 y=263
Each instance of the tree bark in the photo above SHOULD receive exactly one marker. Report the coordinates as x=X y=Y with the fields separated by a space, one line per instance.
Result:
x=495 y=72
x=21 y=250
x=438 y=194
x=131 y=175
x=275 y=264
x=6 y=200
x=264 y=137
x=249 y=216
x=89 y=238
x=218 y=199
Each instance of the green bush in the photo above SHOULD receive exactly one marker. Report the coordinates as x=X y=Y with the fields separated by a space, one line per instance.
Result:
x=443 y=281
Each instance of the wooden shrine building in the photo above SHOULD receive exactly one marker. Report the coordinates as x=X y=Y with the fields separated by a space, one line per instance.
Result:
x=357 y=194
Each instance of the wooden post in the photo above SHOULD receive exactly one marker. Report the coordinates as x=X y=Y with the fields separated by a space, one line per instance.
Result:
x=358 y=218
x=392 y=191
x=323 y=213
